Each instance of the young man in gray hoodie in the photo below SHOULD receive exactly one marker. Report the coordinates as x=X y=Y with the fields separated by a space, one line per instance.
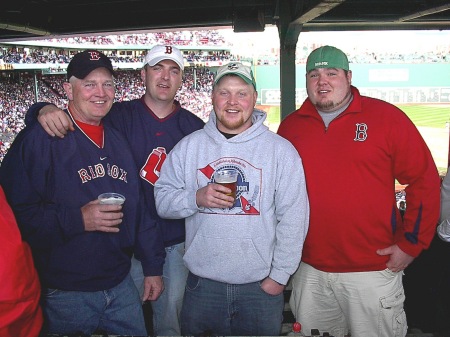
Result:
x=240 y=251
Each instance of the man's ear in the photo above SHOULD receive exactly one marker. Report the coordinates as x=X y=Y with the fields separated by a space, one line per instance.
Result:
x=68 y=89
x=143 y=72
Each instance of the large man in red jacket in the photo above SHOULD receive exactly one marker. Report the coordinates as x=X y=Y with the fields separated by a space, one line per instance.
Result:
x=353 y=149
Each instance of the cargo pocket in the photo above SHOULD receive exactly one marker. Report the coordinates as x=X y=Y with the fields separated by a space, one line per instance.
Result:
x=393 y=306
x=400 y=324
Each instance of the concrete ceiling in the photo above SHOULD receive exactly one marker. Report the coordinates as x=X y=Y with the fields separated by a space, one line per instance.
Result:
x=32 y=19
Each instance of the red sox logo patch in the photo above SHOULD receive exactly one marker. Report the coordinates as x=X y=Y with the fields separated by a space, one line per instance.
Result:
x=361 y=132
x=151 y=170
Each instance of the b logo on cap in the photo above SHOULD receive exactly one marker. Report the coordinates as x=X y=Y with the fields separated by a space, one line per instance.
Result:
x=94 y=56
x=168 y=50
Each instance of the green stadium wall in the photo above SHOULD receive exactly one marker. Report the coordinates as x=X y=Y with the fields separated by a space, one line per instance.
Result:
x=395 y=83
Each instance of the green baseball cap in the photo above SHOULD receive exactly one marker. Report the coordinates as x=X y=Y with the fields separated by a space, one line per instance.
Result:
x=236 y=68
x=327 y=57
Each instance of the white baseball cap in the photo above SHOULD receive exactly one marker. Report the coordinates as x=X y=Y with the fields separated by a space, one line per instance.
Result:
x=236 y=68
x=161 y=52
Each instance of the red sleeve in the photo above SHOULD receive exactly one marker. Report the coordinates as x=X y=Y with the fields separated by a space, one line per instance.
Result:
x=20 y=312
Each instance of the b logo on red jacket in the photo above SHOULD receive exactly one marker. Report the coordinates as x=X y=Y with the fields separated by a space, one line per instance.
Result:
x=152 y=167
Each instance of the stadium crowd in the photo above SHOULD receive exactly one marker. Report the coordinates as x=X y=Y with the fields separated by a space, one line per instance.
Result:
x=54 y=55
x=202 y=38
x=49 y=55
x=177 y=38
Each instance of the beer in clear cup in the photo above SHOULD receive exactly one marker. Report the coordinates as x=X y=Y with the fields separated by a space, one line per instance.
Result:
x=227 y=178
x=111 y=198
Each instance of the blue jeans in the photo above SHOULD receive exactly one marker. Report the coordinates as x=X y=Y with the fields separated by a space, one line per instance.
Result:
x=216 y=308
x=117 y=311
x=166 y=309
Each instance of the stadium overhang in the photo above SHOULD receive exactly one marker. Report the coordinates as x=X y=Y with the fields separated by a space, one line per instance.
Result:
x=43 y=18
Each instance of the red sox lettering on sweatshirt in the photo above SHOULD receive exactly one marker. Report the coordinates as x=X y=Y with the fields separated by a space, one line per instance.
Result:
x=99 y=170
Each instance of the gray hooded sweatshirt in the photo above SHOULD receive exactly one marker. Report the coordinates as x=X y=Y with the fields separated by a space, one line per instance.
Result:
x=263 y=233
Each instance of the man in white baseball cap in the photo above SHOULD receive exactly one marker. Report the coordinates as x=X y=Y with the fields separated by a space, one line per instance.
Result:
x=159 y=53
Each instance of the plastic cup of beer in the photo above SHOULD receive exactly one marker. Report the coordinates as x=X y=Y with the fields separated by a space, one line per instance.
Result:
x=227 y=178
x=111 y=198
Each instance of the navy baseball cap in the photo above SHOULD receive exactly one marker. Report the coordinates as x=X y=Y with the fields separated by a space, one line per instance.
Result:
x=83 y=63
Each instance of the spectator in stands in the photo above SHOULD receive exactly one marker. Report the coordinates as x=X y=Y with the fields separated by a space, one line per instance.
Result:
x=350 y=277
x=52 y=185
x=20 y=311
x=240 y=252
x=153 y=125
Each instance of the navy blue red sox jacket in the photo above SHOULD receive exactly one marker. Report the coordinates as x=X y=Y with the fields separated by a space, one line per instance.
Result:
x=47 y=181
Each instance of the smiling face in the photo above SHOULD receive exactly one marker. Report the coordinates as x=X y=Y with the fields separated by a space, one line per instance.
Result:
x=162 y=81
x=329 y=88
x=233 y=100
x=91 y=98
